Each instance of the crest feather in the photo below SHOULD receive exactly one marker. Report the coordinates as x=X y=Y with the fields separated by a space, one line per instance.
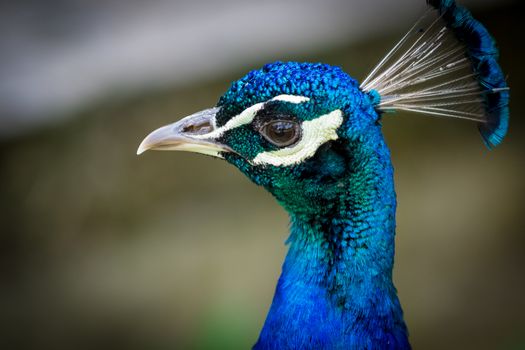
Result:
x=446 y=65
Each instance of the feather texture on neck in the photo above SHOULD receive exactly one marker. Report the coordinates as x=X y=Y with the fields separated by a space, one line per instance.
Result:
x=336 y=287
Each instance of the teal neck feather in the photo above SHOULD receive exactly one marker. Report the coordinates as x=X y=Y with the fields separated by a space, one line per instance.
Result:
x=336 y=289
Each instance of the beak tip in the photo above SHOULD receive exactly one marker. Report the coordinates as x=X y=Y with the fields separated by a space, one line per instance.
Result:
x=142 y=148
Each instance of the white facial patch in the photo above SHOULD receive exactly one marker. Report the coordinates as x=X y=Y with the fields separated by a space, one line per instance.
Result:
x=314 y=134
x=247 y=116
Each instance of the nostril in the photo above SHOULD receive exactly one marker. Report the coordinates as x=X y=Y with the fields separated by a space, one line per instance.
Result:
x=200 y=128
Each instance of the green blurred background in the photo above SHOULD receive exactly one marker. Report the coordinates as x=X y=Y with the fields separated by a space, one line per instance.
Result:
x=101 y=249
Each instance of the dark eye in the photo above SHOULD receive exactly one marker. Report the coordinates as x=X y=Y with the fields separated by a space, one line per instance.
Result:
x=281 y=133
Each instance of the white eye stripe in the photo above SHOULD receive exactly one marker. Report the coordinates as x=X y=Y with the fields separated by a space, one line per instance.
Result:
x=314 y=134
x=291 y=98
x=247 y=116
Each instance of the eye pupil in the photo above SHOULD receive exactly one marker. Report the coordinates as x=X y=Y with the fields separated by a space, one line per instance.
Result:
x=281 y=132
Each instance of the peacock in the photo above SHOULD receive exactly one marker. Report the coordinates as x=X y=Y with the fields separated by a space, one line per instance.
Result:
x=311 y=135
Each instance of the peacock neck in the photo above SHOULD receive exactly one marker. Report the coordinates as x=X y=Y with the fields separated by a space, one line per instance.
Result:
x=336 y=289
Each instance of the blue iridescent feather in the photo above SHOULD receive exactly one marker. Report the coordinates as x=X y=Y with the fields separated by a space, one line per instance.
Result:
x=336 y=289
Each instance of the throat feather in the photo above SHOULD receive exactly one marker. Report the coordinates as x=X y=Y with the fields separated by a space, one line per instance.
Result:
x=336 y=288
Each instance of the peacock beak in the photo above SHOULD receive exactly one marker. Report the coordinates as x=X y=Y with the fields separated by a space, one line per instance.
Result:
x=191 y=134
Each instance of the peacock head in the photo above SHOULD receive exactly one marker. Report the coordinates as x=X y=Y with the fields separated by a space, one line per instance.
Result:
x=286 y=126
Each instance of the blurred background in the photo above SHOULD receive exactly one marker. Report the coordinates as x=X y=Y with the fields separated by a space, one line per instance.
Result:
x=101 y=249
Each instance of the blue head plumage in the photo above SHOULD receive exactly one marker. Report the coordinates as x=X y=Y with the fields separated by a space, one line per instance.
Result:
x=311 y=135
x=297 y=178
